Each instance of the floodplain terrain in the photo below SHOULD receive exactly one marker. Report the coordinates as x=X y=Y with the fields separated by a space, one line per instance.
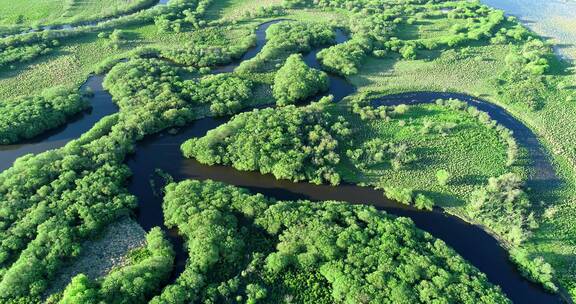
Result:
x=433 y=116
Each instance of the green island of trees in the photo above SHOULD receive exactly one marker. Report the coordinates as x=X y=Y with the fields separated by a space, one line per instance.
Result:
x=295 y=81
x=249 y=248
x=289 y=142
x=286 y=38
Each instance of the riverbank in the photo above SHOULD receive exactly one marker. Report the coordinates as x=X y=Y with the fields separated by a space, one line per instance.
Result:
x=140 y=173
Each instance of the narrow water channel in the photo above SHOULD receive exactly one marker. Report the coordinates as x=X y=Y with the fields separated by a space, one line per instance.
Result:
x=72 y=26
x=162 y=151
x=471 y=242
x=101 y=105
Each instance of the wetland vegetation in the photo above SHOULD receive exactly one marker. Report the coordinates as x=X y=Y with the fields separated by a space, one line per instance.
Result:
x=504 y=161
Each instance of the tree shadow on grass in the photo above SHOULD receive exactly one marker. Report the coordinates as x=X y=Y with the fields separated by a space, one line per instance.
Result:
x=443 y=199
x=420 y=112
x=425 y=158
x=470 y=180
x=543 y=192
x=216 y=10
x=131 y=36
x=21 y=67
x=374 y=67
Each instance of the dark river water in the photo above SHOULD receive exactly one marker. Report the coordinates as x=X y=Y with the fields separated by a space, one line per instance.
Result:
x=102 y=105
x=162 y=151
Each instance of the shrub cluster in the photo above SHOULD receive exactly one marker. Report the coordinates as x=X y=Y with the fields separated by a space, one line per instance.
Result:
x=143 y=276
x=286 y=38
x=376 y=151
x=295 y=81
x=503 y=206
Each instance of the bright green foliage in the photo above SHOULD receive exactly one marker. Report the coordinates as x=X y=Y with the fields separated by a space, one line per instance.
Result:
x=531 y=58
x=27 y=117
x=133 y=283
x=185 y=14
x=12 y=52
x=62 y=203
x=225 y=93
x=443 y=177
x=345 y=58
x=503 y=205
x=80 y=290
x=535 y=268
x=285 y=38
x=523 y=78
x=245 y=246
x=142 y=81
x=408 y=52
x=402 y=195
x=69 y=194
x=198 y=57
x=289 y=142
x=295 y=81
x=151 y=101
x=424 y=203
x=376 y=151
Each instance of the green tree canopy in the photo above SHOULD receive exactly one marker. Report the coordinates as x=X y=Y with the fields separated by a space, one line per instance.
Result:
x=246 y=246
x=295 y=81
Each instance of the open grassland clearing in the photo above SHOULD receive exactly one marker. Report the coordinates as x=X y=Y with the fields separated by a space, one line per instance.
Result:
x=31 y=13
x=467 y=149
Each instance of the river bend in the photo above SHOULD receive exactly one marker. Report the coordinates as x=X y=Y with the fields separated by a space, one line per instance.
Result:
x=163 y=151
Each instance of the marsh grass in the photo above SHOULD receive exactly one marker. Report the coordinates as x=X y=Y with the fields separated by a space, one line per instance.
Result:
x=26 y=13
x=470 y=152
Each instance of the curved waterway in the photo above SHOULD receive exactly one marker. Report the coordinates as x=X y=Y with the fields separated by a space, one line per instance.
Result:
x=162 y=151
x=101 y=105
x=542 y=173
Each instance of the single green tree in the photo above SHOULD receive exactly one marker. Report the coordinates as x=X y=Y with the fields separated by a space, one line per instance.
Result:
x=443 y=177
x=423 y=202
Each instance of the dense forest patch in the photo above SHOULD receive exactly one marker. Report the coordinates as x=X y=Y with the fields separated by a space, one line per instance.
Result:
x=25 y=118
x=295 y=81
x=147 y=269
x=382 y=147
x=286 y=38
x=289 y=142
x=249 y=248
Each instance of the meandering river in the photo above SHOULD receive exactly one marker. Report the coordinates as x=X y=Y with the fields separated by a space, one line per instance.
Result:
x=163 y=151
x=101 y=105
